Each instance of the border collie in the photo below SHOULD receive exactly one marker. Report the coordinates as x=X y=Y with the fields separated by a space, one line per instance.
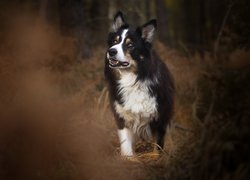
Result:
x=141 y=88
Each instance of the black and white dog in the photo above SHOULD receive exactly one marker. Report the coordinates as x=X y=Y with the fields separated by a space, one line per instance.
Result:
x=140 y=85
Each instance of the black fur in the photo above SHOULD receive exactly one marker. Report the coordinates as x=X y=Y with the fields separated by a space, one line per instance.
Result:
x=148 y=67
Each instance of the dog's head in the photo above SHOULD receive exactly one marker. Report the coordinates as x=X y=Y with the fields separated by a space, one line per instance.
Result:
x=127 y=47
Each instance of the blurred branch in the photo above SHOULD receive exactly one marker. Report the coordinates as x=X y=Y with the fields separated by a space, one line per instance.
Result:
x=211 y=107
x=178 y=126
x=217 y=41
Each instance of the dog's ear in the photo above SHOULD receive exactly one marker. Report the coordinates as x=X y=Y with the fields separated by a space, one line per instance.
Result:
x=148 y=30
x=118 y=21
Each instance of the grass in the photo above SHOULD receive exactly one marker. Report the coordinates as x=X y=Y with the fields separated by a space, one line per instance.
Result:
x=56 y=122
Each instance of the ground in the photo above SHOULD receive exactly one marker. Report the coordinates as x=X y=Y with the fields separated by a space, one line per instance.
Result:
x=57 y=124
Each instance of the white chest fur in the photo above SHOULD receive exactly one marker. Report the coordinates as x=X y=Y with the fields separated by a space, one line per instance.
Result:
x=139 y=108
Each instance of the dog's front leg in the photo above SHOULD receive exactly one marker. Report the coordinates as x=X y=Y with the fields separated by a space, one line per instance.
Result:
x=126 y=140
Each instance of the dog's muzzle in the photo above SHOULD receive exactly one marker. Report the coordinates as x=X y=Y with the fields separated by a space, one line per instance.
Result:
x=113 y=62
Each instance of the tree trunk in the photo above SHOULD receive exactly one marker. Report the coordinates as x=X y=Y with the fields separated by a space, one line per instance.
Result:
x=73 y=22
x=163 y=22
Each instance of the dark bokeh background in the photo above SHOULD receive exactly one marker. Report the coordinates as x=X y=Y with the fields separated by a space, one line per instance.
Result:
x=55 y=121
x=189 y=26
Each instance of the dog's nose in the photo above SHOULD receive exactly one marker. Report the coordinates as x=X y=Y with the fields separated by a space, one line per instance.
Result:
x=112 y=52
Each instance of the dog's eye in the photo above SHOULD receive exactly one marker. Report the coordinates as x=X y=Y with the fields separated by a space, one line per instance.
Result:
x=114 y=41
x=130 y=45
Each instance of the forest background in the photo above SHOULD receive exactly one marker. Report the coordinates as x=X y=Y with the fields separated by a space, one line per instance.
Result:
x=55 y=121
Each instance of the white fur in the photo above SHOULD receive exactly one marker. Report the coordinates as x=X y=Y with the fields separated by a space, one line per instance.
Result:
x=120 y=54
x=126 y=141
x=139 y=108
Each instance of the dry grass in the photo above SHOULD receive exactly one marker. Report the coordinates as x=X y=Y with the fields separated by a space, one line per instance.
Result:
x=56 y=122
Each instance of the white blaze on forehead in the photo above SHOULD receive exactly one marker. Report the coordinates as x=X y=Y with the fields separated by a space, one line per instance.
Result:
x=120 y=54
